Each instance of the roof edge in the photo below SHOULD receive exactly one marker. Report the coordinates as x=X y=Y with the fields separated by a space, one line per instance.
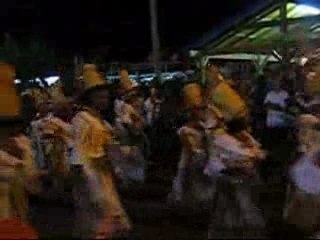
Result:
x=242 y=15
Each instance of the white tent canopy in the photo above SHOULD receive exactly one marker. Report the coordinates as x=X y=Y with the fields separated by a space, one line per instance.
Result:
x=244 y=57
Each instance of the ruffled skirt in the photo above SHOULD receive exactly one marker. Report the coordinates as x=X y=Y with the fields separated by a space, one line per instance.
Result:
x=129 y=167
x=95 y=195
x=235 y=214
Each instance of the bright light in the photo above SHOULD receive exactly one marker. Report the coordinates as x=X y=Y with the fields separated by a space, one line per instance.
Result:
x=52 y=80
x=193 y=53
x=307 y=10
x=303 y=61
x=17 y=81
x=37 y=80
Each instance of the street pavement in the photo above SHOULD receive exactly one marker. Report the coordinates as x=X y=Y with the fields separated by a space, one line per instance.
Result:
x=151 y=216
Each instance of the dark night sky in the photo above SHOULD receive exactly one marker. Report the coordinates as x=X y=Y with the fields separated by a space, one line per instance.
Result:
x=78 y=26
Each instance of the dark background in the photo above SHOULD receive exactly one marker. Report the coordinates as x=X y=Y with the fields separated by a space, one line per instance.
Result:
x=119 y=29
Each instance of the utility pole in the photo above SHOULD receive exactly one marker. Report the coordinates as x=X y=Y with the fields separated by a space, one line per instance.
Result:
x=155 y=36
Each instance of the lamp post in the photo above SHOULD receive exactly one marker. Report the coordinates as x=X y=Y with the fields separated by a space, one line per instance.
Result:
x=155 y=36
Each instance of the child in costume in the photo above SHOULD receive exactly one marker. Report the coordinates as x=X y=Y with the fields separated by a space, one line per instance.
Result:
x=302 y=209
x=233 y=108
x=152 y=107
x=55 y=134
x=217 y=167
x=234 y=156
x=190 y=184
x=99 y=212
x=18 y=175
x=303 y=204
x=129 y=127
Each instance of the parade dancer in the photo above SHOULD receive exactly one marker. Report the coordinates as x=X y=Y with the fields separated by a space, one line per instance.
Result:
x=310 y=102
x=303 y=199
x=152 y=107
x=18 y=175
x=51 y=140
x=190 y=185
x=233 y=166
x=99 y=212
x=234 y=110
x=129 y=127
x=43 y=105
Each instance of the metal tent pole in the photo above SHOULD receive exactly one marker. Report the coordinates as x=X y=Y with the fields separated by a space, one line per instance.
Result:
x=284 y=31
x=155 y=36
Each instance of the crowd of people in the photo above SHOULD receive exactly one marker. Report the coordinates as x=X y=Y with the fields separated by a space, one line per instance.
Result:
x=104 y=137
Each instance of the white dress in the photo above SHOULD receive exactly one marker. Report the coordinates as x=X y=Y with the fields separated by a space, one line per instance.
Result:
x=95 y=194
x=303 y=205
x=235 y=213
x=130 y=167
x=191 y=186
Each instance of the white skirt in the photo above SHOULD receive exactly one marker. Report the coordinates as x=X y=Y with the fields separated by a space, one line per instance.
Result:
x=235 y=215
x=129 y=167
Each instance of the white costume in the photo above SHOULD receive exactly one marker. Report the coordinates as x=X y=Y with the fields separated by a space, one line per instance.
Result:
x=303 y=204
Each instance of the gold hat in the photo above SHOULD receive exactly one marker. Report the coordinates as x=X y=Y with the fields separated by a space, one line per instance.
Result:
x=10 y=102
x=91 y=78
x=125 y=83
x=193 y=96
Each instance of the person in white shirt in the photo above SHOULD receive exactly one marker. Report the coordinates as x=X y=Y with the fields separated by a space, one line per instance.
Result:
x=276 y=103
x=152 y=107
x=276 y=134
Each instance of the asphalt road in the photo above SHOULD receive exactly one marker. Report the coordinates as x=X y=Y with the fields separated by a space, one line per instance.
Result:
x=151 y=220
x=151 y=216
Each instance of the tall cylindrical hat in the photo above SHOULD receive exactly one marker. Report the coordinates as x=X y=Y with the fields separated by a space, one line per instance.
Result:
x=92 y=79
x=128 y=87
x=10 y=102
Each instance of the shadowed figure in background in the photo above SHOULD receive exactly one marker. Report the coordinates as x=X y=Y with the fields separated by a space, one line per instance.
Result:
x=166 y=144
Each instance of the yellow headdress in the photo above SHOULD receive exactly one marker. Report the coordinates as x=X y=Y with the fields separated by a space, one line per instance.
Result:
x=125 y=83
x=193 y=96
x=10 y=103
x=91 y=78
